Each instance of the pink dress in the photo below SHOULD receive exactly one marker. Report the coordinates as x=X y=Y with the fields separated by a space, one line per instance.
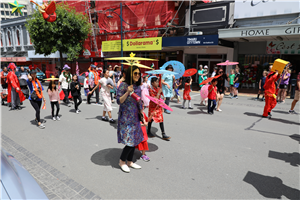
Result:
x=145 y=92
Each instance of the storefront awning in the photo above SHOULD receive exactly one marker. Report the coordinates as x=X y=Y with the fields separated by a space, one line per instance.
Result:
x=32 y=54
x=13 y=59
x=261 y=33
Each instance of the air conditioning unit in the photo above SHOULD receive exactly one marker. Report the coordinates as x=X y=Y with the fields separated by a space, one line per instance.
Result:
x=196 y=33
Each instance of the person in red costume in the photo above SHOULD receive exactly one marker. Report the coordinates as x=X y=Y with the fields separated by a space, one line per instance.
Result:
x=15 y=95
x=270 y=90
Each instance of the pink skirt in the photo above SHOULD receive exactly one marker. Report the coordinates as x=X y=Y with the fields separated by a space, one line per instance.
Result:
x=145 y=99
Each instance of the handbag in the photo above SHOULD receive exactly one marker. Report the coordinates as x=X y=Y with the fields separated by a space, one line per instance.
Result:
x=34 y=95
x=236 y=85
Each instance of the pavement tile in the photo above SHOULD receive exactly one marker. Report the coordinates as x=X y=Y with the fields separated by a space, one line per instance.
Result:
x=78 y=188
x=77 y=196
x=96 y=198
x=83 y=192
x=89 y=195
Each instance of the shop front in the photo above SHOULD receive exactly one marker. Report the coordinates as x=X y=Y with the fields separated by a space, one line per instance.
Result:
x=200 y=50
x=256 y=48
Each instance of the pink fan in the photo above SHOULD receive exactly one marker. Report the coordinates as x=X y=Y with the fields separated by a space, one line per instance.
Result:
x=227 y=62
x=160 y=103
x=204 y=91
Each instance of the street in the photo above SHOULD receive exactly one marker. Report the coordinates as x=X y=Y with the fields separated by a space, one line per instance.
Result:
x=233 y=154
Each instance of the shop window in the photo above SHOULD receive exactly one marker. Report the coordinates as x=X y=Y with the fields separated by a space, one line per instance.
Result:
x=18 y=36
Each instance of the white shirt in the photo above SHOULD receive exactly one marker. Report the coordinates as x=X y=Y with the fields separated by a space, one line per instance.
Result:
x=213 y=74
x=104 y=88
x=63 y=81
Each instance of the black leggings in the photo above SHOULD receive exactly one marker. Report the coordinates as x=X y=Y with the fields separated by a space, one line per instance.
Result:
x=52 y=108
x=37 y=107
x=127 y=153
x=66 y=92
x=161 y=124
x=77 y=103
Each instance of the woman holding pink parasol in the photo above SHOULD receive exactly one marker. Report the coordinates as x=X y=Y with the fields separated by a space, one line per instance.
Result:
x=129 y=128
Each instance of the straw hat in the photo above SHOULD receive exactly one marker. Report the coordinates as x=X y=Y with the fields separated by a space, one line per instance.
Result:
x=51 y=79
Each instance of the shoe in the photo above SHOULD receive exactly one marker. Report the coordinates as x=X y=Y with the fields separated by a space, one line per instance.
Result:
x=269 y=114
x=57 y=118
x=77 y=111
x=54 y=119
x=255 y=99
x=69 y=105
x=99 y=103
x=145 y=158
x=190 y=108
x=125 y=168
x=150 y=135
x=113 y=101
x=112 y=121
x=18 y=108
x=165 y=137
x=292 y=112
x=262 y=99
x=264 y=116
x=3 y=103
x=135 y=166
x=41 y=126
x=167 y=112
x=104 y=119
x=210 y=113
x=219 y=110
x=183 y=107
x=12 y=109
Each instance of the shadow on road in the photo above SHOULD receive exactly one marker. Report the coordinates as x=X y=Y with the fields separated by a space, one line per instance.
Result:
x=196 y=112
x=50 y=117
x=295 y=137
x=111 y=156
x=33 y=122
x=273 y=119
x=281 y=112
x=271 y=187
x=292 y=158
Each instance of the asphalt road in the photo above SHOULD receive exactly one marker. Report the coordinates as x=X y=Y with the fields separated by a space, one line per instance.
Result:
x=233 y=154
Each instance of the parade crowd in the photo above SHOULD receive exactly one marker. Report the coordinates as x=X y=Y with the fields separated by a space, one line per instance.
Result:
x=131 y=89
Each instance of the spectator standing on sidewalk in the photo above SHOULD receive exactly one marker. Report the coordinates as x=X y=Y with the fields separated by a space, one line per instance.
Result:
x=297 y=95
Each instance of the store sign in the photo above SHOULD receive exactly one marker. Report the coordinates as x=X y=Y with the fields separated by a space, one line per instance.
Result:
x=285 y=30
x=199 y=40
x=283 y=47
x=13 y=59
x=133 y=44
x=260 y=8
x=86 y=53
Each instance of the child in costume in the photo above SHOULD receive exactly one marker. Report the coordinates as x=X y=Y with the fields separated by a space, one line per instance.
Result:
x=155 y=110
x=261 y=86
x=143 y=146
x=177 y=83
x=186 y=93
x=270 y=96
x=212 y=95
x=231 y=79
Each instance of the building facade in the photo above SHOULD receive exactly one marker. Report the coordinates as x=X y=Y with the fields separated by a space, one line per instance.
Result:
x=5 y=9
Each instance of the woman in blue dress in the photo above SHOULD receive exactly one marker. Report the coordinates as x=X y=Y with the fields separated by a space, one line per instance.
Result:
x=129 y=128
x=167 y=86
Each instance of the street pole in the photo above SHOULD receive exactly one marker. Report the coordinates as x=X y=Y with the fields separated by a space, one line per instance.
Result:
x=121 y=35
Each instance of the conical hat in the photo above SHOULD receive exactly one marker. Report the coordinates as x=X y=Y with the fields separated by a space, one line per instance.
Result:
x=51 y=79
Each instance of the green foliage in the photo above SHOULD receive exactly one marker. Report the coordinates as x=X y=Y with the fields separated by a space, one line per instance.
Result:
x=67 y=34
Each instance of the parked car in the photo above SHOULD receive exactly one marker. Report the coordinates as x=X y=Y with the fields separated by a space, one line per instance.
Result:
x=16 y=181
x=39 y=73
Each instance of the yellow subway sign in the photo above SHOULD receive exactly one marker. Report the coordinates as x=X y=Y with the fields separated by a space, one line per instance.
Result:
x=133 y=44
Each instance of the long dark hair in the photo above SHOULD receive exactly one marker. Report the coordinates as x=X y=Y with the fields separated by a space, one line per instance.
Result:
x=50 y=85
x=128 y=78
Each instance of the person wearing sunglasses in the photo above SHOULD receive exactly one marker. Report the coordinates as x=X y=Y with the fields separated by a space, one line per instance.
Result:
x=129 y=128
x=221 y=87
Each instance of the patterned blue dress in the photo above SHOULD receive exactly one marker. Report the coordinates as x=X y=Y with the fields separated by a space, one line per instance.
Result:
x=129 y=128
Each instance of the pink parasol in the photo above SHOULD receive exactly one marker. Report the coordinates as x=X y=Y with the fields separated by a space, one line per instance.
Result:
x=160 y=103
x=204 y=91
x=227 y=62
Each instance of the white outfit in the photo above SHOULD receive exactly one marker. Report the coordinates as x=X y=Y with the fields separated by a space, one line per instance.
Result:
x=105 y=92
x=213 y=74
x=63 y=80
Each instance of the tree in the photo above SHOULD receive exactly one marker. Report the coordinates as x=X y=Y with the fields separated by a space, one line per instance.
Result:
x=66 y=35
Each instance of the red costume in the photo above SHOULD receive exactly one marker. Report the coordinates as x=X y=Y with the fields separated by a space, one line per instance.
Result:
x=270 y=90
x=144 y=144
x=13 y=82
x=186 y=92
x=154 y=108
